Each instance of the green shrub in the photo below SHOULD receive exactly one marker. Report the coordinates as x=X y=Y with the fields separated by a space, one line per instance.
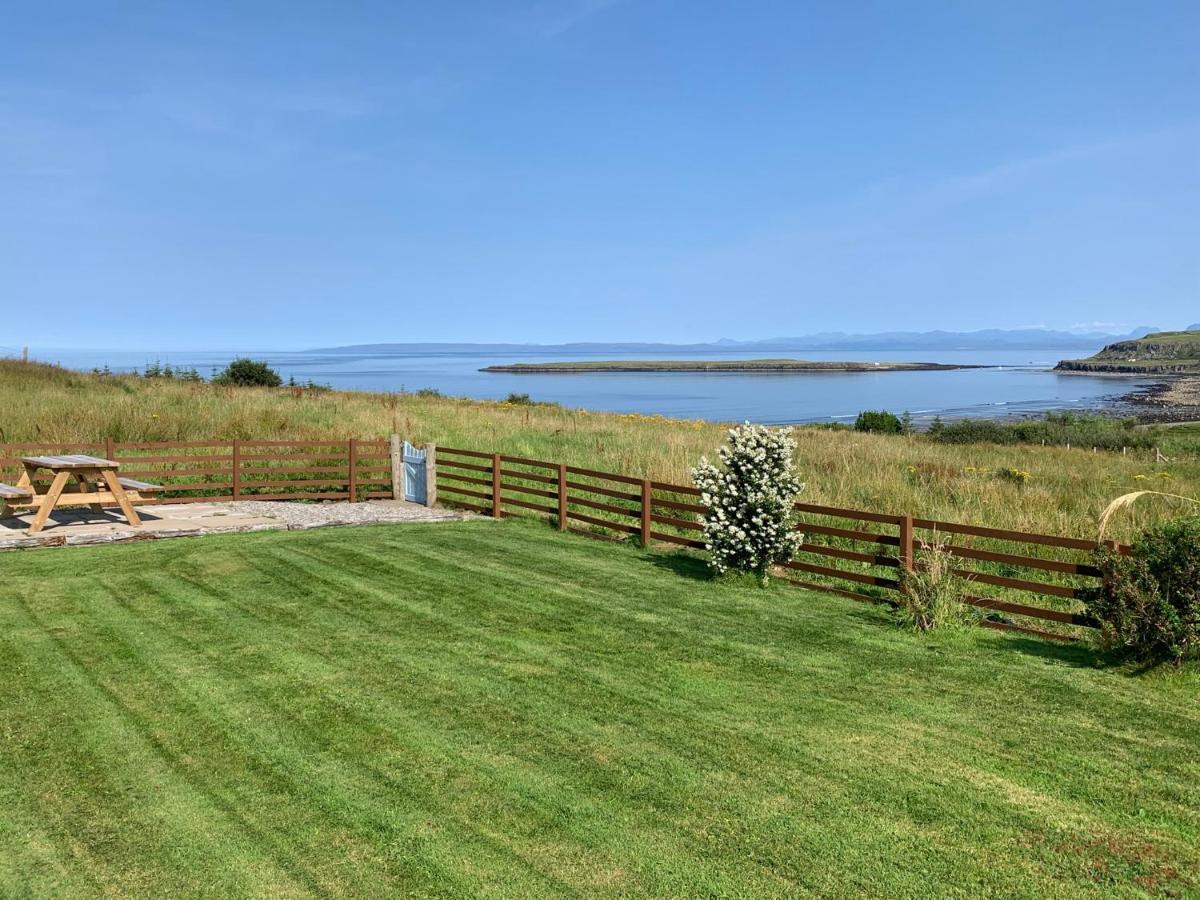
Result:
x=518 y=399
x=929 y=595
x=878 y=422
x=1054 y=429
x=248 y=373
x=1149 y=604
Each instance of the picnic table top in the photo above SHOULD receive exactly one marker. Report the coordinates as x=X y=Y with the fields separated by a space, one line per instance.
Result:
x=73 y=461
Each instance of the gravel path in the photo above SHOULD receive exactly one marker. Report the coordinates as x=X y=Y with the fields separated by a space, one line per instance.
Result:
x=316 y=515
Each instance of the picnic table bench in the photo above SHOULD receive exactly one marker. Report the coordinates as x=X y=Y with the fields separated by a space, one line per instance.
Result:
x=97 y=485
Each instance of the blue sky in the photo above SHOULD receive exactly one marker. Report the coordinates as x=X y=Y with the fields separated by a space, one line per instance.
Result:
x=303 y=174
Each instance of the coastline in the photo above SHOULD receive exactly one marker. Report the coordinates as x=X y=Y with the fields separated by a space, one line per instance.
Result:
x=1172 y=400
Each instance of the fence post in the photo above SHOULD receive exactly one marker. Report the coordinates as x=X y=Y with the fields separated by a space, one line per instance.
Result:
x=496 y=486
x=430 y=474
x=907 y=560
x=562 y=496
x=646 y=504
x=109 y=450
x=352 y=465
x=397 y=459
x=237 y=469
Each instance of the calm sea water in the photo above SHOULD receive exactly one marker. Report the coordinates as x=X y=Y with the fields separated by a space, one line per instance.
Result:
x=1021 y=383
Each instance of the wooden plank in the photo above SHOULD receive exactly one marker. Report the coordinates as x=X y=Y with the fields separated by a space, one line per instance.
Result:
x=849 y=534
x=549 y=510
x=522 y=461
x=1001 y=534
x=871 y=559
x=68 y=461
x=529 y=476
x=159 y=460
x=838 y=512
x=603 y=523
x=860 y=577
x=470 y=467
x=682 y=507
x=47 y=502
x=1030 y=562
x=603 y=507
x=538 y=492
x=603 y=491
x=475 y=453
x=122 y=446
x=175 y=473
x=1018 y=584
x=466 y=492
x=667 y=488
x=336 y=443
x=142 y=487
x=1035 y=612
x=676 y=539
x=466 y=479
x=677 y=523
x=606 y=476
x=110 y=478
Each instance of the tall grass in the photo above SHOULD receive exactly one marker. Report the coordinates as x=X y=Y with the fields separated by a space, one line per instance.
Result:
x=1065 y=492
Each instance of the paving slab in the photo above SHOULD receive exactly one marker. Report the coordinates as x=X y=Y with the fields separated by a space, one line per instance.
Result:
x=75 y=526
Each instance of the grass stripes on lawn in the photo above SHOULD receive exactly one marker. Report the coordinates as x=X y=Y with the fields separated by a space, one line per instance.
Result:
x=498 y=709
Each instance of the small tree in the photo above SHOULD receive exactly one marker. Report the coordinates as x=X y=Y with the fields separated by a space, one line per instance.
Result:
x=248 y=373
x=878 y=422
x=748 y=526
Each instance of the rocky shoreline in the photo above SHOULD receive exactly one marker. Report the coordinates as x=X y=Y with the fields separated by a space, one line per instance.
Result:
x=1173 y=400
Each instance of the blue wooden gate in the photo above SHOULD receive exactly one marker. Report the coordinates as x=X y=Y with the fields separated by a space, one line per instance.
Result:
x=414 y=473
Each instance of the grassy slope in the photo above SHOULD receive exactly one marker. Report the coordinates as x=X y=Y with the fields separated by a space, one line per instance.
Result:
x=1065 y=494
x=436 y=709
x=1166 y=351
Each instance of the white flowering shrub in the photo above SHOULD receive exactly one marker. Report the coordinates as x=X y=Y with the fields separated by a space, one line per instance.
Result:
x=748 y=526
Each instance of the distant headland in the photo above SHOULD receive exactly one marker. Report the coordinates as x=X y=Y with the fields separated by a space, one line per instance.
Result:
x=1160 y=353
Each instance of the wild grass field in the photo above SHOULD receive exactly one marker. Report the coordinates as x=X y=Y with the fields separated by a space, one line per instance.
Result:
x=497 y=709
x=1053 y=490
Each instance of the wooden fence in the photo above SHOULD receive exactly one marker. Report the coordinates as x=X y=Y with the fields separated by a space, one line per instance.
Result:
x=208 y=471
x=1026 y=582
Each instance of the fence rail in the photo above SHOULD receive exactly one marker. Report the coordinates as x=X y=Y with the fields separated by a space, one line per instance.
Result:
x=1035 y=579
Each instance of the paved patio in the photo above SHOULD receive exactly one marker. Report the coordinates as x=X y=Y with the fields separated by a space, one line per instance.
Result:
x=69 y=527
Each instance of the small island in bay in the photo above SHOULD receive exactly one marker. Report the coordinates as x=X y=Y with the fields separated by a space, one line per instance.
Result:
x=755 y=366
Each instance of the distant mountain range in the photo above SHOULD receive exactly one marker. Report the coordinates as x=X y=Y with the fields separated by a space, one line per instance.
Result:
x=988 y=339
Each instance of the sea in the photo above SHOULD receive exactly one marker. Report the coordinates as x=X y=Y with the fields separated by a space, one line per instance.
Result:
x=1015 y=383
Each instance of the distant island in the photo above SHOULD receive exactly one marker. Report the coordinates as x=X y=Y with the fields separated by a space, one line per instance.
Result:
x=911 y=341
x=1160 y=353
x=759 y=366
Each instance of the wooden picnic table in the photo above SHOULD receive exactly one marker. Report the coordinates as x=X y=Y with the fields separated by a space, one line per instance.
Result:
x=96 y=484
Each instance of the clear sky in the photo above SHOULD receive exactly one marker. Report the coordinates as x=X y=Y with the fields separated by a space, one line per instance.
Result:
x=291 y=174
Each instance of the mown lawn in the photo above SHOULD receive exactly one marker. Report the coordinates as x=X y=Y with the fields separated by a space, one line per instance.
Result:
x=497 y=709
